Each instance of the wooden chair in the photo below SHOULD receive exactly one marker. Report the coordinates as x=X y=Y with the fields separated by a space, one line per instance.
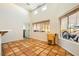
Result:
x=52 y=38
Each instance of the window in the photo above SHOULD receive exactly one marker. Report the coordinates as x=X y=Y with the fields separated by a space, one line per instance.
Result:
x=34 y=26
x=70 y=26
x=42 y=26
x=64 y=24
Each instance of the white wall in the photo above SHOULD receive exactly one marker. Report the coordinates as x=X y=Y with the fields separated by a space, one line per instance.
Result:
x=12 y=17
x=53 y=12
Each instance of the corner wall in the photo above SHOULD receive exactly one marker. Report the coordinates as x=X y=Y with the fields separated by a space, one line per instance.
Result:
x=12 y=18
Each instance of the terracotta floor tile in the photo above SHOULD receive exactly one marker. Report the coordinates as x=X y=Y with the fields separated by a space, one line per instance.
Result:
x=42 y=54
x=46 y=51
x=19 y=53
x=68 y=54
x=5 y=46
x=30 y=53
x=17 y=50
x=11 y=55
x=51 y=54
x=32 y=47
x=55 y=51
x=8 y=52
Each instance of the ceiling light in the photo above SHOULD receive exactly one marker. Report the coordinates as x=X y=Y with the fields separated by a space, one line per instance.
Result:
x=35 y=12
x=44 y=8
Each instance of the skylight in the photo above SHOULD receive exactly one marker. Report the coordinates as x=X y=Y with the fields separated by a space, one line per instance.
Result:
x=30 y=6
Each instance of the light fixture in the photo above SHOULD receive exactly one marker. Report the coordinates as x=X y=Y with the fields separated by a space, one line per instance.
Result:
x=35 y=12
x=44 y=8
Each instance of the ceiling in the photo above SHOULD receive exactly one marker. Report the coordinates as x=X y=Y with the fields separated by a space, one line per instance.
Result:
x=30 y=6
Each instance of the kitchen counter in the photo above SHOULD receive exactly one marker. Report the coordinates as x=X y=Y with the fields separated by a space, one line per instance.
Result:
x=2 y=32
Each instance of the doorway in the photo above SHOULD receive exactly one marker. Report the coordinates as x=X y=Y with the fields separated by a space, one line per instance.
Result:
x=26 y=31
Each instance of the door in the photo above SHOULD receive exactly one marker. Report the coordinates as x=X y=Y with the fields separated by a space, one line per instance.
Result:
x=27 y=30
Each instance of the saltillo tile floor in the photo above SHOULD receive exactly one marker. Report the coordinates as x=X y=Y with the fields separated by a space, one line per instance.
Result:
x=32 y=47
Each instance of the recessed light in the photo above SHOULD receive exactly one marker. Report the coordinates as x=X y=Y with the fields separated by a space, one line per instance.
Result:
x=35 y=12
x=44 y=8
